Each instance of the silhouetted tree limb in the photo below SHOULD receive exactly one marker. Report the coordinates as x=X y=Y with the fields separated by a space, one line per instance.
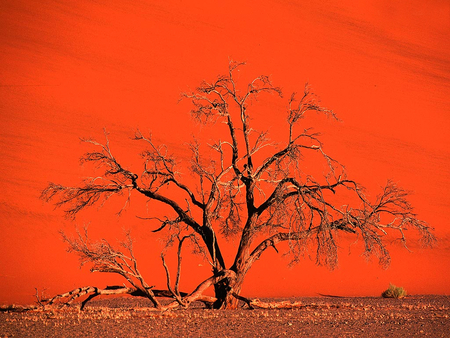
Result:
x=105 y=258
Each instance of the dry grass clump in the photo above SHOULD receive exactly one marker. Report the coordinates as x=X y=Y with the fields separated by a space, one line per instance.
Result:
x=394 y=292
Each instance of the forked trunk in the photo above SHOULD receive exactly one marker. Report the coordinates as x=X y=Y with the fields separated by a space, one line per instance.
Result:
x=228 y=287
x=224 y=291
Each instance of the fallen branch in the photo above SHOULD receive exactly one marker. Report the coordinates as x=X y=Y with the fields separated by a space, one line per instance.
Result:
x=256 y=303
x=66 y=299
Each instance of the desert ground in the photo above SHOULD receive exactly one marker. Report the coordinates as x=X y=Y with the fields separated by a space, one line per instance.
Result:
x=413 y=316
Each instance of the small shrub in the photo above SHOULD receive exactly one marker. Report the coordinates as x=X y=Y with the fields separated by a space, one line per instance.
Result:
x=394 y=292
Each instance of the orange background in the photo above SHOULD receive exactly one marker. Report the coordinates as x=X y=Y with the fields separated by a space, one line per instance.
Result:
x=69 y=69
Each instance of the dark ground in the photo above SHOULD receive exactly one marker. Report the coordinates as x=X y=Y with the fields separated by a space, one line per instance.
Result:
x=414 y=316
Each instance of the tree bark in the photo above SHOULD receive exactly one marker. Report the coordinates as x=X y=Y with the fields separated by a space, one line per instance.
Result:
x=226 y=290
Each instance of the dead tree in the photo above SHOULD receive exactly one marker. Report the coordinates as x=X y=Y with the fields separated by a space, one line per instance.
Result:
x=250 y=187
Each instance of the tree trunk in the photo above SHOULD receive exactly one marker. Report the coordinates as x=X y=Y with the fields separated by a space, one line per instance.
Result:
x=225 y=291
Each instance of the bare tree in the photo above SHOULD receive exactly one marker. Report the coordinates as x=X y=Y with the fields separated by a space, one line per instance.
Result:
x=246 y=186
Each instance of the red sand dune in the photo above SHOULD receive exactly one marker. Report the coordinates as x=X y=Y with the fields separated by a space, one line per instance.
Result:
x=68 y=70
